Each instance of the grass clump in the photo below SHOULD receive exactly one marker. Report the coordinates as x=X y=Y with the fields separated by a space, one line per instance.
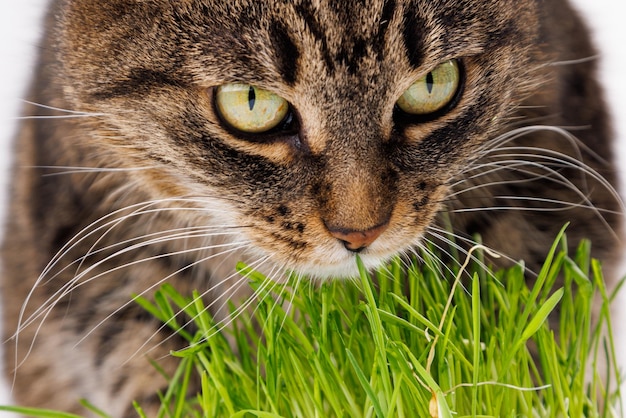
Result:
x=409 y=346
x=411 y=342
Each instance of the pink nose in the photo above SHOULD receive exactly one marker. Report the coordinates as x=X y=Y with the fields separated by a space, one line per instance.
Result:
x=355 y=240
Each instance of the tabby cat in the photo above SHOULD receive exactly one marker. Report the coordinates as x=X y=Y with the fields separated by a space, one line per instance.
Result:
x=168 y=139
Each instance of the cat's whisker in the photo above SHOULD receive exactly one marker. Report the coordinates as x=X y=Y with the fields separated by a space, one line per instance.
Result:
x=440 y=235
x=162 y=238
x=492 y=170
x=554 y=177
x=446 y=252
x=160 y=282
x=267 y=287
x=74 y=241
x=496 y=144
x=86 y=233
x=108 y=225
x=443 y=234
x=533 y=164
x=565 y=206
x=136 y=169
x=270 y=281
x=242 y=282
x=541 y=156
x=223 y=324
x=83 y=278
x=550 y=175
x=299 y=278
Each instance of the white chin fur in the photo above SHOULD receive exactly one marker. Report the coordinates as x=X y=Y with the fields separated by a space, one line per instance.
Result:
x=340 y=268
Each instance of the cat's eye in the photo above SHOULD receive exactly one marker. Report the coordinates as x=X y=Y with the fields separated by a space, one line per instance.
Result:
x=250 y=109
x=433 y=92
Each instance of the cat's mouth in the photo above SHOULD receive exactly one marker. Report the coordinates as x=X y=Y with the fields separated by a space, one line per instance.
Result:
x=338 y=260
x=317 y=249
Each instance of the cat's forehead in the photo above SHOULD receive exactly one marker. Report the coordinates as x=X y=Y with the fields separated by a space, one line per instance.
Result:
x=273 y=43
x=359 y=36
x=334 y=22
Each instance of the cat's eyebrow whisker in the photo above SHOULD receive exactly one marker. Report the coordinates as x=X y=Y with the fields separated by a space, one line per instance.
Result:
x=590 y=58
x=64 y=170
x=59 y=109
x=91 y=115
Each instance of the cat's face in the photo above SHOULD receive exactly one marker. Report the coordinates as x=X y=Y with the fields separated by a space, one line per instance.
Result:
x=315 y=128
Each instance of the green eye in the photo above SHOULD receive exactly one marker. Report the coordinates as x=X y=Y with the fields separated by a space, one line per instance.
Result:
x=433 y=91
x=250 y=109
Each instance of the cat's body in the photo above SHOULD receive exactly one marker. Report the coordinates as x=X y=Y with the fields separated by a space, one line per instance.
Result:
x=178 y=193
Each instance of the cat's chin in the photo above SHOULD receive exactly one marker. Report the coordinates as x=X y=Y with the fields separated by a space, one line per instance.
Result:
x=341 y=268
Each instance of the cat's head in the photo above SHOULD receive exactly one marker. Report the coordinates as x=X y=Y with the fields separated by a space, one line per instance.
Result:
x=317 y=128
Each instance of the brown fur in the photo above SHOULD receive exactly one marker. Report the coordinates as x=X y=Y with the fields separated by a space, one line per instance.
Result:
x=145 y=71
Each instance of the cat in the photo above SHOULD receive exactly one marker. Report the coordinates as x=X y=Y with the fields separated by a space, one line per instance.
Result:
x=168 y=140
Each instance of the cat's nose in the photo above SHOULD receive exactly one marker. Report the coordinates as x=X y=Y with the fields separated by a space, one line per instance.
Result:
x=358 y=240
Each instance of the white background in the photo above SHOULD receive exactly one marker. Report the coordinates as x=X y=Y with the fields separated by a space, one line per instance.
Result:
x=19 y=32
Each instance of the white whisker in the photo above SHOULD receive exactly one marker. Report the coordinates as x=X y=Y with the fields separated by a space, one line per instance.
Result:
x=56 y=116
x=64 y=170
x=59 y=109
x=158 y=283
x=78 y=281
x=257 y=264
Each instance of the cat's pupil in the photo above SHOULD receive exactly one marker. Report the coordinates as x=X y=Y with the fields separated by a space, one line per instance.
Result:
x=430 y=82
x=251 y=97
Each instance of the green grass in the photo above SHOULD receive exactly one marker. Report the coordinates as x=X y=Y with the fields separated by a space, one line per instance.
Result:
x=419 y=343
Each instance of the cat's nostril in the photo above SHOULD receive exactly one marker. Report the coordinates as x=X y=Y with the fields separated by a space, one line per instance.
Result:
x=358 y=240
